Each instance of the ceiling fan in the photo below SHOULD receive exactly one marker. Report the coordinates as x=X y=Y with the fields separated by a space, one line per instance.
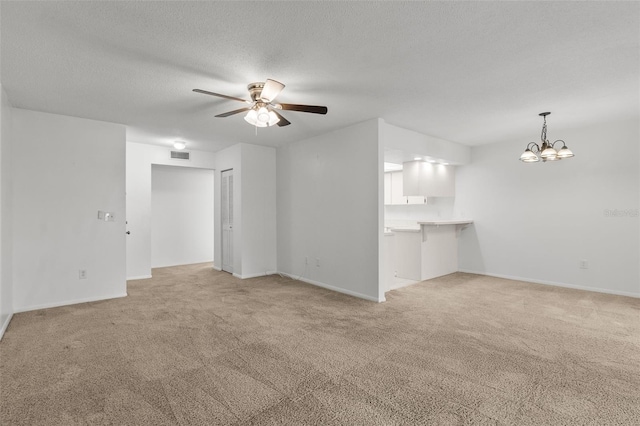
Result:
x=262 y=111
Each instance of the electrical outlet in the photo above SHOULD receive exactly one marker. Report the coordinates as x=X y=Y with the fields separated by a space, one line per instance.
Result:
x=82 y=274
x=317 y=262
x=106 y=216
x=584 y=264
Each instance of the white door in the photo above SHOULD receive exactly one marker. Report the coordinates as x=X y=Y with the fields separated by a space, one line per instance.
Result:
x=227 y=220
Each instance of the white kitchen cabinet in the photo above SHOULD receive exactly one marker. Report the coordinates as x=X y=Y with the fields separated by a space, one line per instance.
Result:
x=394 y=188
x=426 y=179
x=411 y=184
x=416 y=199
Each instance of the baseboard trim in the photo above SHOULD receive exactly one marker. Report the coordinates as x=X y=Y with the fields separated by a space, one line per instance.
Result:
x=68 y=302
x=334 y=288
x=554 y=283
x=141 y=277
x=5 y=325
x=217 y=268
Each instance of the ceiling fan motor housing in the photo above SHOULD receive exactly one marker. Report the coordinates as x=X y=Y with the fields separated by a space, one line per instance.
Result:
x=255 y=90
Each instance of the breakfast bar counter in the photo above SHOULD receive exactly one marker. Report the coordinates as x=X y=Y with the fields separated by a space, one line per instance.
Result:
x=429 y=251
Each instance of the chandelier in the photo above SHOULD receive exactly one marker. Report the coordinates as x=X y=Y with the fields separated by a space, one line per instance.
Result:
x=546 y=151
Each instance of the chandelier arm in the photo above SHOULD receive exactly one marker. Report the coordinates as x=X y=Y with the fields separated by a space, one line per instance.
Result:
x=530 y=145
x=559 y=140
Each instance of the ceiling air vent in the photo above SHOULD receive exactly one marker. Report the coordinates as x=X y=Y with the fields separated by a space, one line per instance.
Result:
x=180 y=155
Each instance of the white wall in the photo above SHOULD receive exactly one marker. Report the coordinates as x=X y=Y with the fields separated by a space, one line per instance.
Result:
x=65 y=169
x=140 y=158
x=254 y=209
x=330 y=207
x=535 y=222
x=258 y=210
x=410 y=142
x=181 y=215
x=6 y=246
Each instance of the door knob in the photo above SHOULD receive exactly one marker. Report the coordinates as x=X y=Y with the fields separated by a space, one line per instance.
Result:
x=128 y=232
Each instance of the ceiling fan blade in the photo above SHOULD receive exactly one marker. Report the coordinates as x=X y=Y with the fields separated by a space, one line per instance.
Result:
x=220 y=96
x=236 y=111
x=304 y=108
x=270 y=90
x=283 y=121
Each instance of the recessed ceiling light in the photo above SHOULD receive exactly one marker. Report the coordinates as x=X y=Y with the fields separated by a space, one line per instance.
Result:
x=417 y=158
x=179 y=145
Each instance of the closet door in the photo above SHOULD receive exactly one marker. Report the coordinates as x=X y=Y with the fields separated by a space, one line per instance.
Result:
x=227 y=220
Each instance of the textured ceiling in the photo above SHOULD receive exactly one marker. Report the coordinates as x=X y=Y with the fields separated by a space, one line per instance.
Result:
x=470 y=72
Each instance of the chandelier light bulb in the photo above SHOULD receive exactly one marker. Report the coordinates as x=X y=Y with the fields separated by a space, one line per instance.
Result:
x=565 y=152
x=529 y=157
x=549 y=154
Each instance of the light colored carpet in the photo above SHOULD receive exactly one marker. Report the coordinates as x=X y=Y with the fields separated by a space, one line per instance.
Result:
x=196 y=346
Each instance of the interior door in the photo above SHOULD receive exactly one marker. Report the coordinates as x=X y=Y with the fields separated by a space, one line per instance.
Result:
x=227 y=220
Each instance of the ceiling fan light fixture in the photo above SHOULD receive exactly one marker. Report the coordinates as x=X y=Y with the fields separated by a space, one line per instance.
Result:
x=261 y=117
x=273 y=118
x=251 y=117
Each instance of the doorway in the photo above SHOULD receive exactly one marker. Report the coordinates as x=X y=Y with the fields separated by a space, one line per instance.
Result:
x=182 y=226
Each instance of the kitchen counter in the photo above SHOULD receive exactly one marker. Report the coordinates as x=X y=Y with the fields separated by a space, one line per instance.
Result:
x=427 y=249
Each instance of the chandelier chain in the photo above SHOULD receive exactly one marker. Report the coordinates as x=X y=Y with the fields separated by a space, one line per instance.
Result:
x=543 y=135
